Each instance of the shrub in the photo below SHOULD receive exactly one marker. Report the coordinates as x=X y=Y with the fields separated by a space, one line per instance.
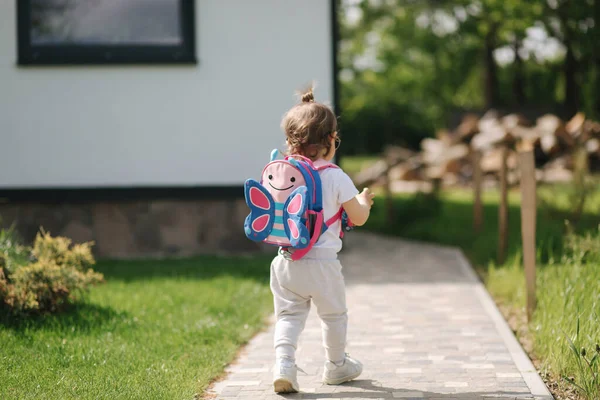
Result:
x=48 y=276
x=12 y=254
x=60 y=251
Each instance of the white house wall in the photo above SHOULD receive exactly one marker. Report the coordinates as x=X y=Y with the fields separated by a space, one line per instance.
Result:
x=213 y=123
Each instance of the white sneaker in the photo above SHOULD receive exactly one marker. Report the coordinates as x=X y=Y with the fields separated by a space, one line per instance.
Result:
x=336 y=374
x=285 y=376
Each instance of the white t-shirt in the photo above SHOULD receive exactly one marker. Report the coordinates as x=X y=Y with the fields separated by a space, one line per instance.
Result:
x=337 y=188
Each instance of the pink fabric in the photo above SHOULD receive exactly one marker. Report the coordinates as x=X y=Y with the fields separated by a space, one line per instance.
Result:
x=320 y=166
x=335 y=217
x=295 y=205
x=281 y=179
x=276 y=240
x=258 y=199
x=278 y=226
x=293 y=228
x=305 y=159
x=260 y=223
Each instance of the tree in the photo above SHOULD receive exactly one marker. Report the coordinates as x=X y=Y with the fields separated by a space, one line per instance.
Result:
x=409 y=65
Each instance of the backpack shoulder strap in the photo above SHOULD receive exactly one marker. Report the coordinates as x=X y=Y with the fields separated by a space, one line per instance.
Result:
x=320 y=224
x=337 y=215
x=325 y=166
x=298 y=254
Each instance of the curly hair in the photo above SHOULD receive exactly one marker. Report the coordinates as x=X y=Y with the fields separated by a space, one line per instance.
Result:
x=309 y=127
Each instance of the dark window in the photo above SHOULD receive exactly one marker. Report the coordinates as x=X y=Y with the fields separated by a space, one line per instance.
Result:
x=106 y=31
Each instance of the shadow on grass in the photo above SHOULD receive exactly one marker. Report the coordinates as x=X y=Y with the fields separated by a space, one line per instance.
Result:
x=89 y=318
x=80 y=318
x=449 y=221
x=203 y=267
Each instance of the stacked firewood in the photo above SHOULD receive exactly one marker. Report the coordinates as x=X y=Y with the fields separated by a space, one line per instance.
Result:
x=448 y=157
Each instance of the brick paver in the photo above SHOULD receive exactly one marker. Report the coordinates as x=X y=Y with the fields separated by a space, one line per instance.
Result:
x=419 y=321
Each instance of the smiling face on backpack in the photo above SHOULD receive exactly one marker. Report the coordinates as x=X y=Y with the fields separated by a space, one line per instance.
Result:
x=281 y=179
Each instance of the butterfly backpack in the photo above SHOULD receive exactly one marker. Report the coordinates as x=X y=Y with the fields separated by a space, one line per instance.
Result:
x=286 y=206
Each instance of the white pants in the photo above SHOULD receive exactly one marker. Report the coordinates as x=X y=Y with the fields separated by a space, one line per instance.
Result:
x=294 y=284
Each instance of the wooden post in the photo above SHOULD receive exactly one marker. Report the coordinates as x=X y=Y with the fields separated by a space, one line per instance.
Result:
x=581 y=167
x=503 y=208
x=528 y=223
x=436 y=186
x=477 y=183
x=389 y=200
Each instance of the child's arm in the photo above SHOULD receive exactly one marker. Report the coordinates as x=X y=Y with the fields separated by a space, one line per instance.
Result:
x=359 y=207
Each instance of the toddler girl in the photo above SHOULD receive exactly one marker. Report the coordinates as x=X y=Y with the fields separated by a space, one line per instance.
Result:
x=311 y=131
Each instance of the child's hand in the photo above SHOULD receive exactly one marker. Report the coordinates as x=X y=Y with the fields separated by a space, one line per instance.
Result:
x=359 y=207
x=366 y=197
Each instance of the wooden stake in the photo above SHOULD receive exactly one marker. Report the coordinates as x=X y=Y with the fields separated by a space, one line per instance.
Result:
x=436 y=186
x=581 y=171
x=528 y=223
x=389 y=200
x=503 y=208
x=477 y=183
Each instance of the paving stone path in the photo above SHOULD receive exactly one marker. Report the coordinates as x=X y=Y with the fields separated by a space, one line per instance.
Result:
x=420 y=322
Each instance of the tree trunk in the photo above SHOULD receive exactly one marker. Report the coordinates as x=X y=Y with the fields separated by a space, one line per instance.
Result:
x=597 y=98
x=570 y=67
x=490 y=69
x=519 y=79
x=597 y=57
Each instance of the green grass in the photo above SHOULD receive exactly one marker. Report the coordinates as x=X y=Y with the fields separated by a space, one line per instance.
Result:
x=568 y=297
x=155 y=330
x=354 y=164
x=568 y=275
x=448 y=220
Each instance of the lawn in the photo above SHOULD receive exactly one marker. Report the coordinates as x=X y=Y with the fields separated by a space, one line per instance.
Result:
x=568 y=270
x=354 y=164
x=154 y=330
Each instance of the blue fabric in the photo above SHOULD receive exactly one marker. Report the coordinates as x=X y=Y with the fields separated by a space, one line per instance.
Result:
x=256 y=212
x=297 y=219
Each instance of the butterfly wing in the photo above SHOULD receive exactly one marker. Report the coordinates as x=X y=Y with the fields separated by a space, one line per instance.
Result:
x=294 y=210
x=259 y=222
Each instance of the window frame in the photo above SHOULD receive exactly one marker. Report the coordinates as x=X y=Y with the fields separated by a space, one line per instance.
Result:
x=69 y=54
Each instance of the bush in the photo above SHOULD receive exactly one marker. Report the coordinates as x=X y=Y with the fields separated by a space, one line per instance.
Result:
x=45 y=278
x=12 y=254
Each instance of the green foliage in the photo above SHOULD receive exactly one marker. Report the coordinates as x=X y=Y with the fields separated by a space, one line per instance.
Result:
x=449 y=220
x=12 y=253
x=587 y=365
x=58 y=274
x=408 y=67
x=410 y=211
x=59 y=250
x=353 y=165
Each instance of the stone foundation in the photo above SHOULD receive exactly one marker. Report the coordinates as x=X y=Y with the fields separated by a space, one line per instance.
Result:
x=136 y=229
